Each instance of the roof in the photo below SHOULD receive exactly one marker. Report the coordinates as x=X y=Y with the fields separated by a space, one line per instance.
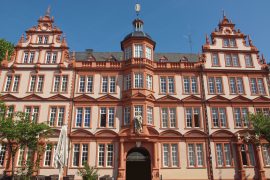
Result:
x=138 y=34
x=118 y=56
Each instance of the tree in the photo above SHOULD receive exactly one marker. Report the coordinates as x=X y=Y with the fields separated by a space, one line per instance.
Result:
x=261 y=125
x=4 y=47
x=18 y=131
x=88 y=172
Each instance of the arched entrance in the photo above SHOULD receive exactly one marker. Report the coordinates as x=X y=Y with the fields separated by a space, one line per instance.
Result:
x=138 y=165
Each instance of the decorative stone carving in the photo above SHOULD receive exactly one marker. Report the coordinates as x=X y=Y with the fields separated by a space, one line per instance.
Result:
x=138 y=124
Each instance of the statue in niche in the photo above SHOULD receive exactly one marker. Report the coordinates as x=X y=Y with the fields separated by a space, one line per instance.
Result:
x=138 y=123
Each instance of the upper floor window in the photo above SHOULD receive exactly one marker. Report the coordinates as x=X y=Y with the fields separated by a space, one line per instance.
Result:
x=138 y=80
x=264 y=110
x=148 y=52
x=219 y=118
x=248 y=61
x=108 y=84
x=60 y=83
x=215 y=85
x=105 y=155
x=32 y=112
x=241 y=117
x=168 y=117
x=107 y=117
x=215 y=60
x=167 y=85
x=86 y=84
x=28 y=57
x=126 y=115
x=193 y=117
x=229 y=43
x=43 y=40
x=266 y=154
x=170 y=155
x=138 y=51
x=36 y=83
x=224 y=155
x=83 y=117
x=12 y=83
x=190 y=85
x=2 y=154
x=257 y=86
x=138 y=110
x=57 y=114
x=236 y=85
x=149 y=82
x=128 y=53
x=51 y=57
x=247 y=153
x=232 y=60
x=195 y=155
x=127 y=80
x=149 y=115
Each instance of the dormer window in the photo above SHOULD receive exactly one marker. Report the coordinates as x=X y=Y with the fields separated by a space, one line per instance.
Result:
x=128 y=53
x=148 y=52
x=40 y=39
x=138 y=48
x=51 y=57
x=46 y=38
x=43 y=39
x=27 y=58
x=229 y=43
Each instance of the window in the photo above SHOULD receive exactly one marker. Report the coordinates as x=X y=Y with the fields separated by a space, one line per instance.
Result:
x=215 y=60
x=265 y=111
x=149 y=82
x=223 y=154
x=108 y=84
x=49 y=154
x=148 y=52
x=229 y=43
x=257 y=86
x=105 y=155
x=138 y=83
x=51 y=57
x=107 y=115
x=12 y=83
x=168 y=117
x=76 y=154
x=190 y=85
x=138 y=110
x=57 y=115
x=25 y=154
x=60 y=83
x=236 y=85
x=126 y=115
x=232 y=60
x=2 y=154
x=28 y=59
x=127 y=81
x=46 y=38
x=128 y=53
x=266 y=154
x=195 y=155
x=86 y=84
x=32 y=112
x=247 y=153
x=167 y=85
x=138 y=51
x=219 y=118
x=36 y=83
x=40 y=39
x=192 y=117
x=215 y=85
x=10 y=111
x=43 y=40
x=248 y=60
x=83 y=117
x=170 y=155
x=241 y=117
x=84 y=154
x=149 y=115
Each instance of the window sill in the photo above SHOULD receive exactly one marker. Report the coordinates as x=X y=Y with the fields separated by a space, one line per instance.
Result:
x=250 y=66
x=191 y=94
x=97 y=167
x=84 y=92
x=216 y=94
x=107 y=93
x=170 y=167
x=193 y=128
x=59 y=92
x=106 y=127
x=235 y=94
x=82 y=128
x=258 y=94
x=167 y=93
x=225 y=167
x=220 y=128
x=203 y=167
x=216 y=65
x=165 y=128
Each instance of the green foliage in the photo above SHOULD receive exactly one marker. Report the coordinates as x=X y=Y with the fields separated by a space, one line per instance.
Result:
x=18 y=132
x=261 y=125
x=88 y=172
x=4 y=47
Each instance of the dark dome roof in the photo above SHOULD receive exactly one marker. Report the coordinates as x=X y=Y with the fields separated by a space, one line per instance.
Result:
x=138 y=34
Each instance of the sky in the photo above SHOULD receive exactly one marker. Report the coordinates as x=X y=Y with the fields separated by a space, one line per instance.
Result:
x=102 y=24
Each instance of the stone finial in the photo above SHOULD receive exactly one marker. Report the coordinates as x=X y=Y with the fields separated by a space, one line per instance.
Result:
x=64 y=42
x=48 y=11
x=207 y=39
x=250 y=41
x=263 y=59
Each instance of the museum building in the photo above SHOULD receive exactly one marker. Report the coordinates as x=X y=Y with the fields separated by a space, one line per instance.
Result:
x=141 y=114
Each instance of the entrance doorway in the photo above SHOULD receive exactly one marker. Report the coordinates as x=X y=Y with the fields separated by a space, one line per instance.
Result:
x=138 y=165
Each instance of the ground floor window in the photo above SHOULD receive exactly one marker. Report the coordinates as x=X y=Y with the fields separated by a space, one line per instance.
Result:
x=2 y=154
x=105 y=155
x=170 y=155
x=223 y=154
x=266 y=154
x=195 y=155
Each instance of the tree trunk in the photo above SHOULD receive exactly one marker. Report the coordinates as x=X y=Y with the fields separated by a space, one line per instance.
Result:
x=13 y=162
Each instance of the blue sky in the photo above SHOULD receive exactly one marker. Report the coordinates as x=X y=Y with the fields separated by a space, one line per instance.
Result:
x=102 y=24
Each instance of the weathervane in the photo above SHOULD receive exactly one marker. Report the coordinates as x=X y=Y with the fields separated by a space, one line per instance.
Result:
x=137 y=8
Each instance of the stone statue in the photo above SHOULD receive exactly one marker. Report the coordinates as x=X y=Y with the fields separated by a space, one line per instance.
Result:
x=138 y=123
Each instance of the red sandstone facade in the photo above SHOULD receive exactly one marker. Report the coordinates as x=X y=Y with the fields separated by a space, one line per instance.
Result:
x=193 y=107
